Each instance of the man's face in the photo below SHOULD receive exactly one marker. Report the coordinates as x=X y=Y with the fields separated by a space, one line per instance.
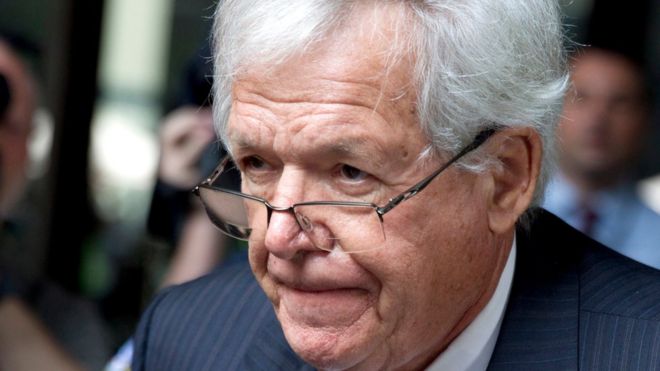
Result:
x=331 y=125
x=604 y=118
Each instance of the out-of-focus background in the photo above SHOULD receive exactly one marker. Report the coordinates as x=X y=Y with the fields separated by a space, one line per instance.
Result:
x=108 y=71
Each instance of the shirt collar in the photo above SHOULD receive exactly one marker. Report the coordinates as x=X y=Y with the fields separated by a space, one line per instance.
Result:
x=472 y=349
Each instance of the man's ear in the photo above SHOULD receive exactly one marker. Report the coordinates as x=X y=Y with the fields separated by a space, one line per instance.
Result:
x=511 y=181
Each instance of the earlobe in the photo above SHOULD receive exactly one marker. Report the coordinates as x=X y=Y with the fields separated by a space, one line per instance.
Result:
x=512 y=180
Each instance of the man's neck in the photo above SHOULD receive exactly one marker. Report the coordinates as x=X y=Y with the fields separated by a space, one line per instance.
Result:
x=472 y=348
x=504 y=245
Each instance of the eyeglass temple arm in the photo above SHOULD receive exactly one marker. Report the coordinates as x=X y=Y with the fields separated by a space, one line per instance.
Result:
x=219 y=169
x=478 y=141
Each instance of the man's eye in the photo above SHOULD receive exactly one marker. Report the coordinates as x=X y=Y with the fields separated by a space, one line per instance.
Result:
x=351 y=173
x=254 y=163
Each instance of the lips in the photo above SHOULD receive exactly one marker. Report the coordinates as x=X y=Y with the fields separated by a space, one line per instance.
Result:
x=320 y=293
x=316 y=284
x=336 y=308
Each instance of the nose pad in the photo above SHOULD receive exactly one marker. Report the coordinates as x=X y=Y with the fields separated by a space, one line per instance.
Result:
x=285 y=236
x=304 y=222
x=318 y=233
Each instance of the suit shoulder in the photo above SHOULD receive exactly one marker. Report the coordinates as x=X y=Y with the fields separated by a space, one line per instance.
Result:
x=617 y=285
x=235 y=283
x=211 y=320
x=551 y=251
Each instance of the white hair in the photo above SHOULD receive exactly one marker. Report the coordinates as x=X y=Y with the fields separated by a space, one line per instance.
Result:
x=478 y=63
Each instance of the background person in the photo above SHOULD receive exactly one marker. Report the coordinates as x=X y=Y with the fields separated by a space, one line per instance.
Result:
x=41 y=325
x=189 y=152
x=25 y=342
x=603 y=130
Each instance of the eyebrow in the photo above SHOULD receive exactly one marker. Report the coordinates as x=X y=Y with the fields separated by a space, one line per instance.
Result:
x=345 y=147
x=239 y=142
x=355 y=147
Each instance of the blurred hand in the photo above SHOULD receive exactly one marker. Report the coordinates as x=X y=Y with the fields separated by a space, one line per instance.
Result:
x=184 y=135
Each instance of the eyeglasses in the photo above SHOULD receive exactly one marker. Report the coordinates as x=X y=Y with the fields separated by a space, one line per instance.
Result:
x=329 y=225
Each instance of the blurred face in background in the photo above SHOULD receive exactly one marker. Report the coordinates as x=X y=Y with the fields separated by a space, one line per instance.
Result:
x=604 y=120
x=15 y=128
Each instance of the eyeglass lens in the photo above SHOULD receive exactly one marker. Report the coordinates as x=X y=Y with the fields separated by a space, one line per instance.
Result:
x=328 y=226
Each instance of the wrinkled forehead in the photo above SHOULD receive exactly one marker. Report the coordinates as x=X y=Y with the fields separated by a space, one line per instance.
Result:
x=369 y=43
x=358 y=64
x=326 y=74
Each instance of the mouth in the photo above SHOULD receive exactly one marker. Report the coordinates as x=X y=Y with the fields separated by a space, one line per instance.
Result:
x=322 y=291
x=324 y=307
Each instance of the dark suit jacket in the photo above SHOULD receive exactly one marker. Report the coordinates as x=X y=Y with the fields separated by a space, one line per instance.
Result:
x=574 y=305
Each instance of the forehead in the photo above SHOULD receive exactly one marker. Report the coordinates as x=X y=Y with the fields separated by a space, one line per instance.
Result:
x=352 y=77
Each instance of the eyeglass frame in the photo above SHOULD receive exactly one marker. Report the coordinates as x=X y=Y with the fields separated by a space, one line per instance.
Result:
x=479 y=139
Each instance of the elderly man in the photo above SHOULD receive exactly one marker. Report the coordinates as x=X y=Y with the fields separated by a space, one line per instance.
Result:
x=388 y=149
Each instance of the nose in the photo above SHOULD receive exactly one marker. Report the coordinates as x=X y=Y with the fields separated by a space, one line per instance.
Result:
x=284 y=236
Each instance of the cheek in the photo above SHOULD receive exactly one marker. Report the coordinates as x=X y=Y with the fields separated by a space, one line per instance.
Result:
x=628 y=132
x=425 y=293
x=432 y=264
x=258 y=258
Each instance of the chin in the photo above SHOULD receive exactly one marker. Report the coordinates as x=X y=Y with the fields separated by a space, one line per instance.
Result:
x=333 y=349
